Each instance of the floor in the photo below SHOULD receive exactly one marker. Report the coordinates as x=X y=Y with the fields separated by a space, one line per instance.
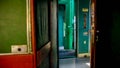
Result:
x=66 y=54
x=74 y=63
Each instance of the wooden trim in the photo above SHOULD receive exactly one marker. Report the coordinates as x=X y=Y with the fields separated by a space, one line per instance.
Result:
x=28 y=21
x=93 y=47
x=16 y=61
x=33 y=31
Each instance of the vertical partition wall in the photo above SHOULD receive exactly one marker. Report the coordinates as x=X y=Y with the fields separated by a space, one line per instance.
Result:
x=25 y=36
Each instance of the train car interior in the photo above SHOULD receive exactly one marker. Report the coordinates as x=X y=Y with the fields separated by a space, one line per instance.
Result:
x=59 y=34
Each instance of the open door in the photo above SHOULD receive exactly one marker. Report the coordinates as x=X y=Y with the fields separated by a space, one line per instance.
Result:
x=107 y=34
x=102 y=37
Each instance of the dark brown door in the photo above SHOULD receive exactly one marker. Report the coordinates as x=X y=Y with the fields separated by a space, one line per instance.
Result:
x=102 y=37
x=107 y=34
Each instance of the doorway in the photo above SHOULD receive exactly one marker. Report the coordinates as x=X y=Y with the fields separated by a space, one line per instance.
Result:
x=66 y=33
x=75 y=31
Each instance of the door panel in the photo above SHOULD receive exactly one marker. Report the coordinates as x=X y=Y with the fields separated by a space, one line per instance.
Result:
x=13 y=25
x=107 y=45
x=84 y=27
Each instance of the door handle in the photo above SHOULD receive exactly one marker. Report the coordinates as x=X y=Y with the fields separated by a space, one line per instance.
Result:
x=97 y=36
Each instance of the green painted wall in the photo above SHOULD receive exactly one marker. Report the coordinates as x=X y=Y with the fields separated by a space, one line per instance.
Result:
x=63 y=1
x=69 y=24
x=12 y=24
x=61 y=13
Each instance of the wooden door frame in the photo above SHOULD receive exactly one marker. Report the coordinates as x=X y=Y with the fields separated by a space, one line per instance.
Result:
x=93 y=31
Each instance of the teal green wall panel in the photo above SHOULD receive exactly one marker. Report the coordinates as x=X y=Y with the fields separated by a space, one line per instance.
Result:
x=61 y=13
x=84 y=26
x=63 y=1
x=12 y=24
x=69 y=20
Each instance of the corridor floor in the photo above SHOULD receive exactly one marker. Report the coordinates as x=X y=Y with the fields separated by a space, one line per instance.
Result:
x=74 y=63
x=66 y=54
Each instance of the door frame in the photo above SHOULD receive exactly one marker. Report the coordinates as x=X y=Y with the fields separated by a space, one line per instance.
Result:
x=93 y=31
